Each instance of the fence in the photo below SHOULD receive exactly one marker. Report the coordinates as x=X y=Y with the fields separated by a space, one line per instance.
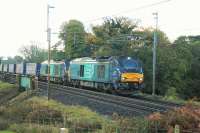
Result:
x=55 y=125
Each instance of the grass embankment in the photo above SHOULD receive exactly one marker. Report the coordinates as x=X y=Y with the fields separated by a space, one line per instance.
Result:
x=7 y=92
x=30 y=114
x=6 y=132
x=5 y=86
x=39 y=115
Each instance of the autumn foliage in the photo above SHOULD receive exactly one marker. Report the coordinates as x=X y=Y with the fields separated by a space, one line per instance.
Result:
x=187 y=117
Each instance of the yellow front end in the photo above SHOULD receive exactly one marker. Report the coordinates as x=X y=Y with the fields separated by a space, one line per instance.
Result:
x=132 y=78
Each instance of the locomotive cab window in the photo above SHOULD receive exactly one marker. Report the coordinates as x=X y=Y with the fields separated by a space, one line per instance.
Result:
x=81 y=70
x=101 y=71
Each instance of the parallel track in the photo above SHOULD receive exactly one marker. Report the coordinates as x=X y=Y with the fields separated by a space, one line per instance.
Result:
x=159 y=101
x=137 y=106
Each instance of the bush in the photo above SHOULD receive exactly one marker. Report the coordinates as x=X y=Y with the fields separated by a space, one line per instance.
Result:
x=171 y=94
x=40 y=111
x=80 y=119
x=4 y=124
x=126 y=125
x=33 y=128
x=4 y=86
x=186 y=117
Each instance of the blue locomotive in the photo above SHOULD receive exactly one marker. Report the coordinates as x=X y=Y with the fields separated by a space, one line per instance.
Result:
x=108 y=73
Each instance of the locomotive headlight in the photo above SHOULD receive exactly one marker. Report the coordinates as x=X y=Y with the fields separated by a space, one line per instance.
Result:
x=123 y=78
x=140 y=79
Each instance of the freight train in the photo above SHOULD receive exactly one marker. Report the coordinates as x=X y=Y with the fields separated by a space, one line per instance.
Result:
x=115 y=74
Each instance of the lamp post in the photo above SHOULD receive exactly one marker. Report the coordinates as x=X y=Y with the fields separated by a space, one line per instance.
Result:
x=49 y=47
x=155 y=42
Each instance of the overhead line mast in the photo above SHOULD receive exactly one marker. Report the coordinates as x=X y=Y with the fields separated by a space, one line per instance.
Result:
x=155 y=43
x=49 y=47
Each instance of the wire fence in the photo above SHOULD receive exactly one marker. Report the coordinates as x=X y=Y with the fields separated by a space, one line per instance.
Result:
x=76 y=127
x=79 y=127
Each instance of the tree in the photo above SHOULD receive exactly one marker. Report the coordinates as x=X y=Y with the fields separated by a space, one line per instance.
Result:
x=73 y=34
x=18 y=59
x=112 y=36
x=34 y=54
x=191 y=80
x=163 y=40
x=57 y=55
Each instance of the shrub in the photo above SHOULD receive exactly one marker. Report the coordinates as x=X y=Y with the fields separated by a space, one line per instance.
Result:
x=33 y=128
x=171 y=94
x=4 y=86
x=187 y=117
x=4 y=124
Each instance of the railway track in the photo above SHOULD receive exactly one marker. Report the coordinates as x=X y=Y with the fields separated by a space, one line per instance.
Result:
x=139 y=107
x=136 y=105
x=158 y=100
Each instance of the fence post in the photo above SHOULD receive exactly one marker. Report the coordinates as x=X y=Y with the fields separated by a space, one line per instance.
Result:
x=64 y=120
x=177 y=129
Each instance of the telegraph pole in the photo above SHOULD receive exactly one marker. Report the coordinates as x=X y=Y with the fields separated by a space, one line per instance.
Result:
x=155 y=42
x=49 y=47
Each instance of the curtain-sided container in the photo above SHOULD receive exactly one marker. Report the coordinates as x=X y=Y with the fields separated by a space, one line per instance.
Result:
x=1 y=67
x=21 y=68
x=33 y=69
x=12 y=68
x=44 y=70
x=5 y=68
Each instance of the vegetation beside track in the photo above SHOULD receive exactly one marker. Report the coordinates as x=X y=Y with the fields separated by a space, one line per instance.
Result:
x=6 y=86
x=186 y=117
x=7 y=92
x=48 y=116
x=6 y=131
x=28 y=113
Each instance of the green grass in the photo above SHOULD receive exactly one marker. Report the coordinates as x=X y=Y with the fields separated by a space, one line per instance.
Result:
x=39 y=109
x=6 y=86
x=6 y=131
x=77 y=118
x=79 y=115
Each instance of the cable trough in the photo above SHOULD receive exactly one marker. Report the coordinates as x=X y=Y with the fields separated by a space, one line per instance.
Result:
x=119 y=104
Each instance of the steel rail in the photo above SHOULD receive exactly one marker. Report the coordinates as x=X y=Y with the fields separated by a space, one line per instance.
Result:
x=145 y=107
x=97 y=99
x=149 y=104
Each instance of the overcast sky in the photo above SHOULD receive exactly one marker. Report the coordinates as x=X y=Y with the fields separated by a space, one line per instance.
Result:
x=24 y=21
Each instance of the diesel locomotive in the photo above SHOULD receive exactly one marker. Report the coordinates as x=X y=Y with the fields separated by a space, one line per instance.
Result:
x=108 y=73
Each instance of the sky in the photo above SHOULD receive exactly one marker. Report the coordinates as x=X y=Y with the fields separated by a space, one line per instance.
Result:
x=24 y=22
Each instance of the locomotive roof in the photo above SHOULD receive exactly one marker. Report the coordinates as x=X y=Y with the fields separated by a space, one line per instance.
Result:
x=102 y=59
x=90 y=59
